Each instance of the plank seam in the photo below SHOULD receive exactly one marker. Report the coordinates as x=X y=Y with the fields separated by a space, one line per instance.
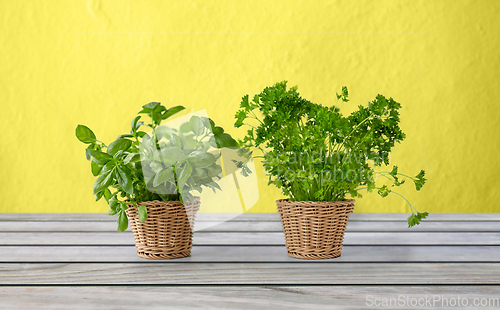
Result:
x=254 y=284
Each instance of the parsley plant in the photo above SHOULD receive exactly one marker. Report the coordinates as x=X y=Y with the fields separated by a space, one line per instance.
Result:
x=314 y=153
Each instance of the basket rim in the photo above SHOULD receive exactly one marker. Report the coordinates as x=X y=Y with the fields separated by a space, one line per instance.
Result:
x=158 y=202
x=342 y=202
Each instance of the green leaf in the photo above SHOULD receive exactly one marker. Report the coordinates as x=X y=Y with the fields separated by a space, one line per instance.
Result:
x=156 y=114
x=207 y=123
x=213 y=185
x=147 y=108
x=123 y=205
x=212 y=124
x=218 y=130
x=107 y=194
x=100 y=157
x=172 y=154
x=163 y=176
x=176 y=141
x=113 y=206
x=156 y=167
x=132 y=158
x=201 y=159
x=185 y=127
x=135 y=124
x=154 y=110
x=124 y=178
x=119 y=145
x=240 y=118
x=344 y=95
x=125 y=136
x=394 y=174
x=84 y=134
x=225 y=140
x=95 y=168
x=256 y=101
x=103 y=181
x=196 y=125
x=87 y=152
x=189 y=142
x=163 y=132
x=214 y=170
x=99 y=195
x=200 y=173
x=118 y=154
x=419 y=180
x=122 y=221
x=143 y=213
x=212 y=143
x=370 y=185
x=183 y=173
x=172 y=111
x=244 y=102
x=384 y=191
x=394 y=171
x=415 y=219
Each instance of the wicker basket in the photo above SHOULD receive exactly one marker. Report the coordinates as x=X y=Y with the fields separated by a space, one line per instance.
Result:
x=314 y=230
x=168 y=231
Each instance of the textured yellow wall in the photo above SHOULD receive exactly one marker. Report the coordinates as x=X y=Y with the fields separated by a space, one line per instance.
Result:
x=97 y=62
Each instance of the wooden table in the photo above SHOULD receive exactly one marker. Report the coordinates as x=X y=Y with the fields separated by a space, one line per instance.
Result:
x=80 y=261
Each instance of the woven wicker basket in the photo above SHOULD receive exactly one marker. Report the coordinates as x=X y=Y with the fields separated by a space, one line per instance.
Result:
x=314 y=230
x=168 y=231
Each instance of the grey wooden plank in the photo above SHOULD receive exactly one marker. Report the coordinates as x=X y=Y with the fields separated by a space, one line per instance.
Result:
x=223 y=254
x=247 y=298
x=176 y=273
x=104 y=217
x=9 y=226
x=461 y=217
x=51 y=217
x=273 y=217
x=250 y=238
x=36 y=226
x=12 y=226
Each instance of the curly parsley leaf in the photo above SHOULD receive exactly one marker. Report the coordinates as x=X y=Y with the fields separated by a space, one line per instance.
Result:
x=344 y=95
x=415 y=219
x=384 y=191
x=419 y=180
x=240 y=118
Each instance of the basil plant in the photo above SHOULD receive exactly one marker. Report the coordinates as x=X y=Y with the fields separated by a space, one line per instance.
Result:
x=166 y=163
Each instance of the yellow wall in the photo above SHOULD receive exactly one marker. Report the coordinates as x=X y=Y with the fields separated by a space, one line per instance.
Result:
x=96 y=62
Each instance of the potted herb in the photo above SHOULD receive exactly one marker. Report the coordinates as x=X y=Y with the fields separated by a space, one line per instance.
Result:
x=149 y=178
x=318 y=158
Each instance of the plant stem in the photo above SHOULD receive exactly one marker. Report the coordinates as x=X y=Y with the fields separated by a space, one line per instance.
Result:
x=411 y=207
x=385 y=172
x=255 y=116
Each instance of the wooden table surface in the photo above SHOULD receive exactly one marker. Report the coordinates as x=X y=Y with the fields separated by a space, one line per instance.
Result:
x=80 y=261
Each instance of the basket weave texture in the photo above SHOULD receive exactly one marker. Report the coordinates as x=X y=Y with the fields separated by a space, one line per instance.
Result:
x=168 y=231
x=314 y=230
